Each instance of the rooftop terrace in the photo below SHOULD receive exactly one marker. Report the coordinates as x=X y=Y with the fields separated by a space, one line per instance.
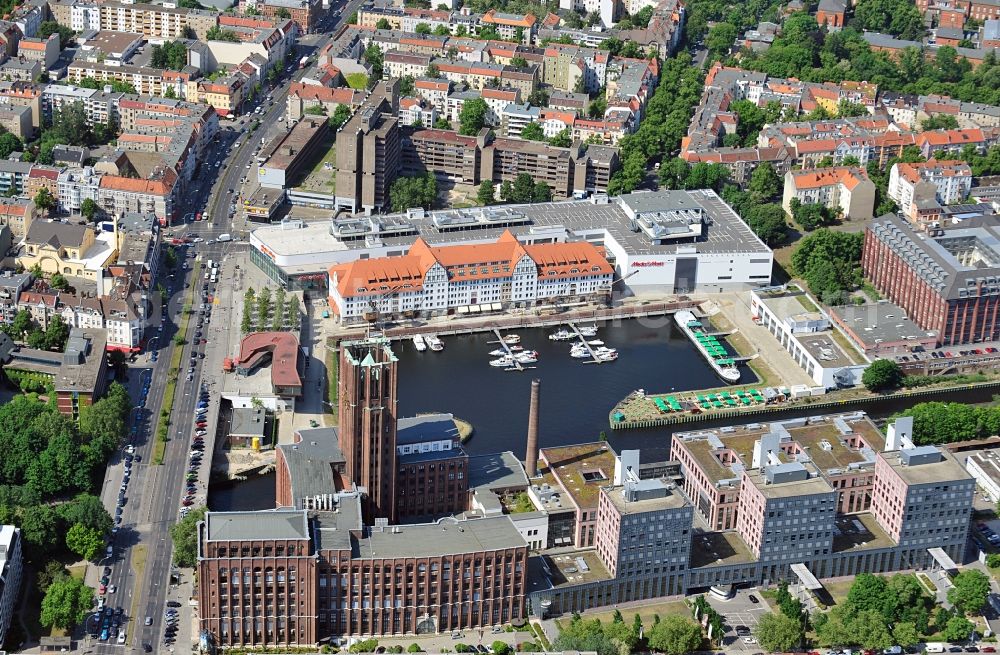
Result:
x=717 y=548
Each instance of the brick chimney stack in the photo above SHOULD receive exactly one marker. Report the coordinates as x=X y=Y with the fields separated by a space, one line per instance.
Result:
x=531 y=457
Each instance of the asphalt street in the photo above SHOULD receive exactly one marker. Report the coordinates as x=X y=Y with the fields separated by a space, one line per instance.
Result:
x=142 y=550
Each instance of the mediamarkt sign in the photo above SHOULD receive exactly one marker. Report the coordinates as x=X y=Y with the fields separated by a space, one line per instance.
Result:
x=647 y=264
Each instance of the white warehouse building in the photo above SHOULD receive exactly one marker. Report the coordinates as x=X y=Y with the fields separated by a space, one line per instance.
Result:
x=664 y=242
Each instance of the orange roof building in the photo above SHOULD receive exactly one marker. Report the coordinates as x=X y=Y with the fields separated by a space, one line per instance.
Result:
x=845 y=189
x=438 y=280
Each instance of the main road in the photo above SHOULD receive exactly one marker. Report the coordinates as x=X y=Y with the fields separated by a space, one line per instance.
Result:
x=142 y=550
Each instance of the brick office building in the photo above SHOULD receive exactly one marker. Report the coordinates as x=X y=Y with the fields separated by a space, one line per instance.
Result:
x=947 y=281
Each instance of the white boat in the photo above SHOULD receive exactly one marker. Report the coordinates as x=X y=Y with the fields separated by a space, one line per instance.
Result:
x=419 y=344
x=587 y=330
x=511 y=339
x=498 y=352
x=516 y=349
x=579 y=354
x=435 y=344
x=608 y=356
x=723 y=365
x=596 y=342
x=527 y=357
x=562 y=334
x=604 y=350
x=502 y=362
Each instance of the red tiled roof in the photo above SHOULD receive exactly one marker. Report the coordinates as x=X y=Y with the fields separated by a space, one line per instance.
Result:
x=283 y=348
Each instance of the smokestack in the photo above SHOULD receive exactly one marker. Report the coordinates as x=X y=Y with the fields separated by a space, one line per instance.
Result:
x=531 y=457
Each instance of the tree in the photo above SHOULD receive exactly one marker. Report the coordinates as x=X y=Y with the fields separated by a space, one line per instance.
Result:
x=383 y=24
x=432 y=71
x=40 y=529
x=764 y=183
x=881 y=375
x=532 y=132
x=940 y=122
x=44 y=200
x=523 y=189
x=374 y=58
x=767 y=222
x=414 y=648
x=442 y=123
x=184 y=534
x=958 y=628
x=970 y=591
x=541 y=192
x=422 y=28
x=66 y=603
x=506 y=191
x=49 y=27
x=519 y=62
x=897 y=17
x=8 y=144
x=315 y=110
x=485 y=195
x=407 y=192
x=905 y=634
x=88 y=511
x=88 y=208
x=56 y=334
x=406 y=86
x=85 y=542
x=216 y=33
x=562 y=139
x=472 y=118
x=58 y=281
x=720 y=39
x=340 y=116
x=501 y=648
x=675 y=635
x=778 y=633
x=283 y=13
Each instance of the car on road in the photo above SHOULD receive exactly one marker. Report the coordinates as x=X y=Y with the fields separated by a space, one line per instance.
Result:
x=121 y=637
x=753 y=599
x=112 y=589
x=148 y=621
x=147 y=648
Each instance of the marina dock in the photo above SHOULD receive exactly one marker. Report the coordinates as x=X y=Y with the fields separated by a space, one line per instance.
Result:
x=594 y=359
x=510 y=353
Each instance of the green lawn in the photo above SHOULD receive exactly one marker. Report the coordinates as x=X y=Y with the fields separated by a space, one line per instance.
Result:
x=645 y=612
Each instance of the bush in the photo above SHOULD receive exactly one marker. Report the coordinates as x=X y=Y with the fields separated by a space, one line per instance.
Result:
x=882 y=375
x=364 y=646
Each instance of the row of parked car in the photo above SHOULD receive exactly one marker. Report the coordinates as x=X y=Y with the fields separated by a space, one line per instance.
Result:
x=197 y=450
x=988 y=532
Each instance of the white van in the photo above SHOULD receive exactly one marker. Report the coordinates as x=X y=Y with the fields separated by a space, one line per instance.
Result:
x=224 y=237
x=935 y=647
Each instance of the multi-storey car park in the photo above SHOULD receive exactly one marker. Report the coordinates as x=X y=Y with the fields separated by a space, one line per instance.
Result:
x=801 y=499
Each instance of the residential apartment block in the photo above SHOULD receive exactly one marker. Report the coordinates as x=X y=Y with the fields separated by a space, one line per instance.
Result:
x=375 y=149
x=846 y=190
x=920 y=187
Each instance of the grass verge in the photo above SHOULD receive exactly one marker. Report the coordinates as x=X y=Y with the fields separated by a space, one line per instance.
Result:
x=540 y=634
x=138 y=568
x=163 y=424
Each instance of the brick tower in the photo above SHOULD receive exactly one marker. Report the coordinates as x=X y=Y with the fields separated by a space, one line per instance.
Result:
x=367 y=428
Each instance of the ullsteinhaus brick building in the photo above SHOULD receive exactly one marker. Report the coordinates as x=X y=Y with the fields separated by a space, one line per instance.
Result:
x=947 y=280
x=331 y=562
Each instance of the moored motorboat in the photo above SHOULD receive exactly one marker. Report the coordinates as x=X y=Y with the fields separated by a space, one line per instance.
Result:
x=587 y=330
x=511 y=339
x=562 y=334
x=419 y=343
x=435 y=344
x=502 y=362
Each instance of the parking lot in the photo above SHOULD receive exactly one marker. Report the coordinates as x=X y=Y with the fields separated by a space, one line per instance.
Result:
x=739 y=612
